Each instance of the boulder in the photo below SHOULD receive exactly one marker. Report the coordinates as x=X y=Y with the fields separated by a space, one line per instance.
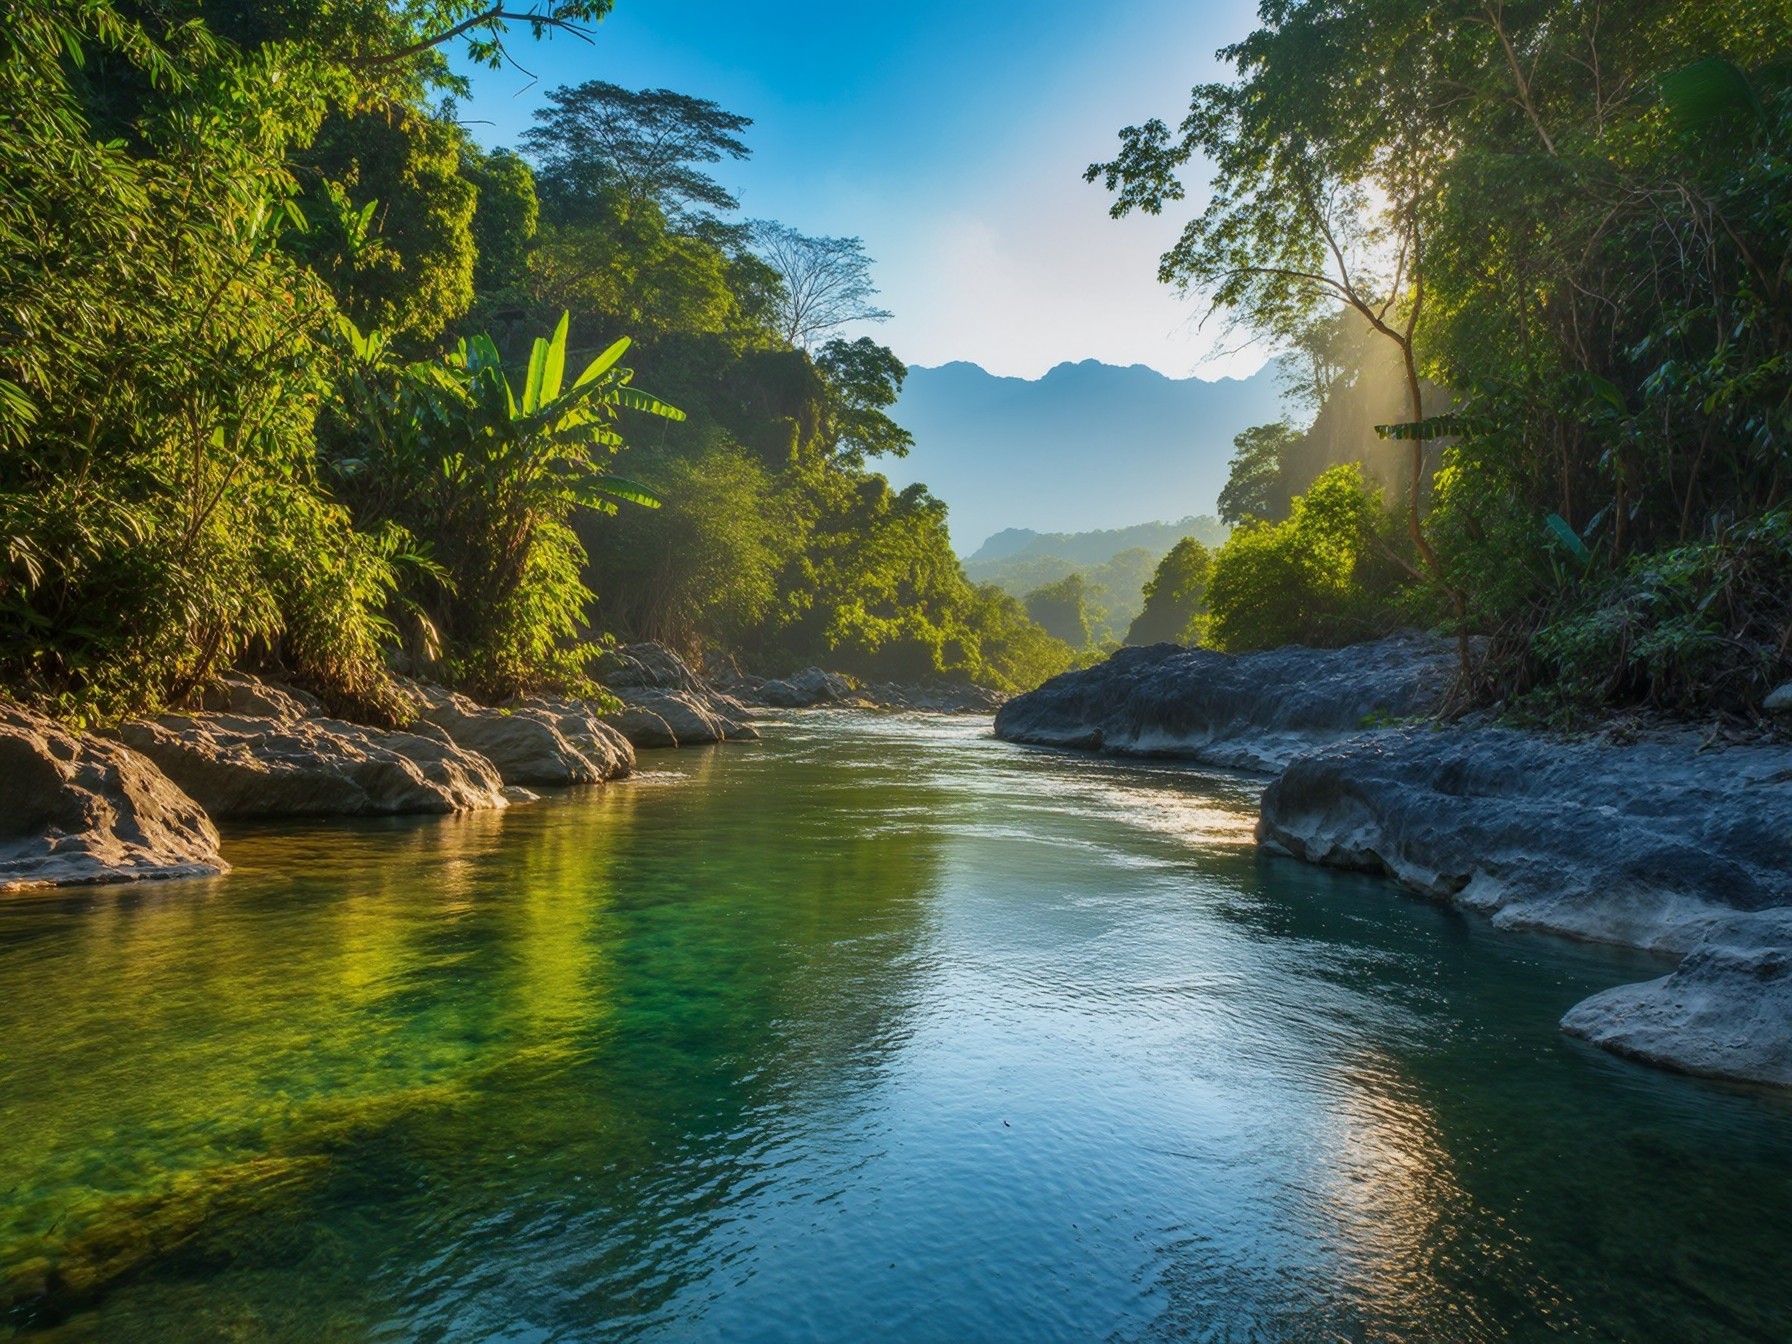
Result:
x=1647 y=845
x=807 y=688
x=236 y=693
x=649 y=665
x=78 y=810
x=1779 y=701
x=689 y=719
x=610 y=753
x=1253 y=711
x=643 y=728
x=1726 y=1012
x=236 y=766
x=525 y=741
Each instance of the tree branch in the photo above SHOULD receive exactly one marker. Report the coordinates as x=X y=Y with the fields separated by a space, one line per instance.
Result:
x=496 y=14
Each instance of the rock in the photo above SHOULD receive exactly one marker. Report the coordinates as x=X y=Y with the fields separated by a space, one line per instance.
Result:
x=236 y=766
x=609 y=752
x=1252 y=711
x=235 y=693
x=649 y=665
x=1648 y=845
x=524 y=740
x=689 y=719
x=811 y=686
x=1726 y=1012
x=1779 y=701
x=515 y=793
x=78 y=810
x=643 y=728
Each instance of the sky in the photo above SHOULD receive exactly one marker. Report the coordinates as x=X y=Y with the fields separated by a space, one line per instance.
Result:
x=951 y=135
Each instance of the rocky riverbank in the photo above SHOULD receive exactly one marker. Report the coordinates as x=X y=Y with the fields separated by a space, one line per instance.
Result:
x=140 y=802
x=1670 y=844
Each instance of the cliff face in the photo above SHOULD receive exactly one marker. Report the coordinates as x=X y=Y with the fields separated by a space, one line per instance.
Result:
x=1663 y=844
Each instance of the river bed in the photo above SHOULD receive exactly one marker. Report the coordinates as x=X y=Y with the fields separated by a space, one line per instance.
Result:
x=878 y=1029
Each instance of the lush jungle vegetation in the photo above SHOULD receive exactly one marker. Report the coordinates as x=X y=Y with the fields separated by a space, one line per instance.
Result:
x=295 y=375
x=1543 y=245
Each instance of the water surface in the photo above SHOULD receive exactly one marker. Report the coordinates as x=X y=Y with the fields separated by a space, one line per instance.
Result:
x=878 y=1030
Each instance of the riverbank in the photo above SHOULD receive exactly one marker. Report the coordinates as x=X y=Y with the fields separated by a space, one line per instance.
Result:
x=1673 y=844
x=139 y=802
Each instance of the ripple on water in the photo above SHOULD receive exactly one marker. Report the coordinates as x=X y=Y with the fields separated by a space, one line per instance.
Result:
x=878 y=1029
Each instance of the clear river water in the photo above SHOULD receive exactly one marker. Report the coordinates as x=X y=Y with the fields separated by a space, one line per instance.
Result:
x=877 y=1030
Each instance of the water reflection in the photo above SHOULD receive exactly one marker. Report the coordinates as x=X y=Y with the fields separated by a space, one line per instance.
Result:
x=878 y=1030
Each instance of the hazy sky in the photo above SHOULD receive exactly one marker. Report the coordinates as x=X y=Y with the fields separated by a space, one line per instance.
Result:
x=951 y=135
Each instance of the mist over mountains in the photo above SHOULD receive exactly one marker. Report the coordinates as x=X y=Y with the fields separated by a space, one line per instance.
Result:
x=1085 y=447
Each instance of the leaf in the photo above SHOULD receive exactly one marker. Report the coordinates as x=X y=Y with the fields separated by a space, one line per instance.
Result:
x=604 y=362
x=1709 y=91
x=555 y=372
x=1565 y=534
x=618 y=488
x=636 y=400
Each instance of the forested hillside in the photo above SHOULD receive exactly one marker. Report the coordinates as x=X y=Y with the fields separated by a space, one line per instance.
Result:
x=296 y=375
x=1542 y=255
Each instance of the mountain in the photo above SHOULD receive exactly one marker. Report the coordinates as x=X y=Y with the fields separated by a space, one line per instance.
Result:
x=1088 y=445
x=1115 y=562
x=1094 y=548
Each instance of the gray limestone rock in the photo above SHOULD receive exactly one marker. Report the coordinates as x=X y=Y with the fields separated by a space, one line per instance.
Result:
x=1646 y=845
x=1252 y=711
x=236 y=766
x=1726 y=1012
x=78 y=810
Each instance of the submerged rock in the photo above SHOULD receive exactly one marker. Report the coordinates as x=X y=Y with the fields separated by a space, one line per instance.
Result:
x=1646 y=845
x=78 y=810
x=235 y=766
x=1726 y=1012
x=1252 y=711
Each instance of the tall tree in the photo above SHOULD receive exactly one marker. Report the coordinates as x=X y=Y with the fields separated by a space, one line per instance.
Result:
x=1324 y=180
x=827 y=281
x=645 y=146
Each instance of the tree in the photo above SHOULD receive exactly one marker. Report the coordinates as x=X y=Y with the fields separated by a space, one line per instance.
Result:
x=1063 y=610
x=505 y=218
x=1253 y=488
x=1300 y=581
x=1175 y=597
x=827 y=281
x=646 y=146
x=863 y=379
x=1324 y=182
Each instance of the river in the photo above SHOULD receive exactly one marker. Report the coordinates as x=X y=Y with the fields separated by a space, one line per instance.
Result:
x=876 y=1030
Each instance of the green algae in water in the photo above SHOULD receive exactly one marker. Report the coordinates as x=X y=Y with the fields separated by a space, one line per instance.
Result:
x=878 y=1030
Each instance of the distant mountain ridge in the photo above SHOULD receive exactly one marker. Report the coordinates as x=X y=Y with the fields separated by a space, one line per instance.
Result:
x=1097 y=547
x=1087 y=446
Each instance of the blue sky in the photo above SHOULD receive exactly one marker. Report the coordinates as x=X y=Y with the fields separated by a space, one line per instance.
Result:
x=952 y=138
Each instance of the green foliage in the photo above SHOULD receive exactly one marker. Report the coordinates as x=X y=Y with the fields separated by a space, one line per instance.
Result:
x=1062 y=611
x=1309 y=580
x=506 y=215
x=1176 y=598
x=1254 y=488
x=491 y=471
x=1578 y=228
x=391 y=216
x=864 y=379
x=1686 y=627
x=645 y=147
x=157 y=486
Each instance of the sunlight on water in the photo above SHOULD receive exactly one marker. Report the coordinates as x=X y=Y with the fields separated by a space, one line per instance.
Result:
x=877 y=1030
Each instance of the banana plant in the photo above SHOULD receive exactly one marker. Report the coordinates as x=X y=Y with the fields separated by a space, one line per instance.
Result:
x=545 y=436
